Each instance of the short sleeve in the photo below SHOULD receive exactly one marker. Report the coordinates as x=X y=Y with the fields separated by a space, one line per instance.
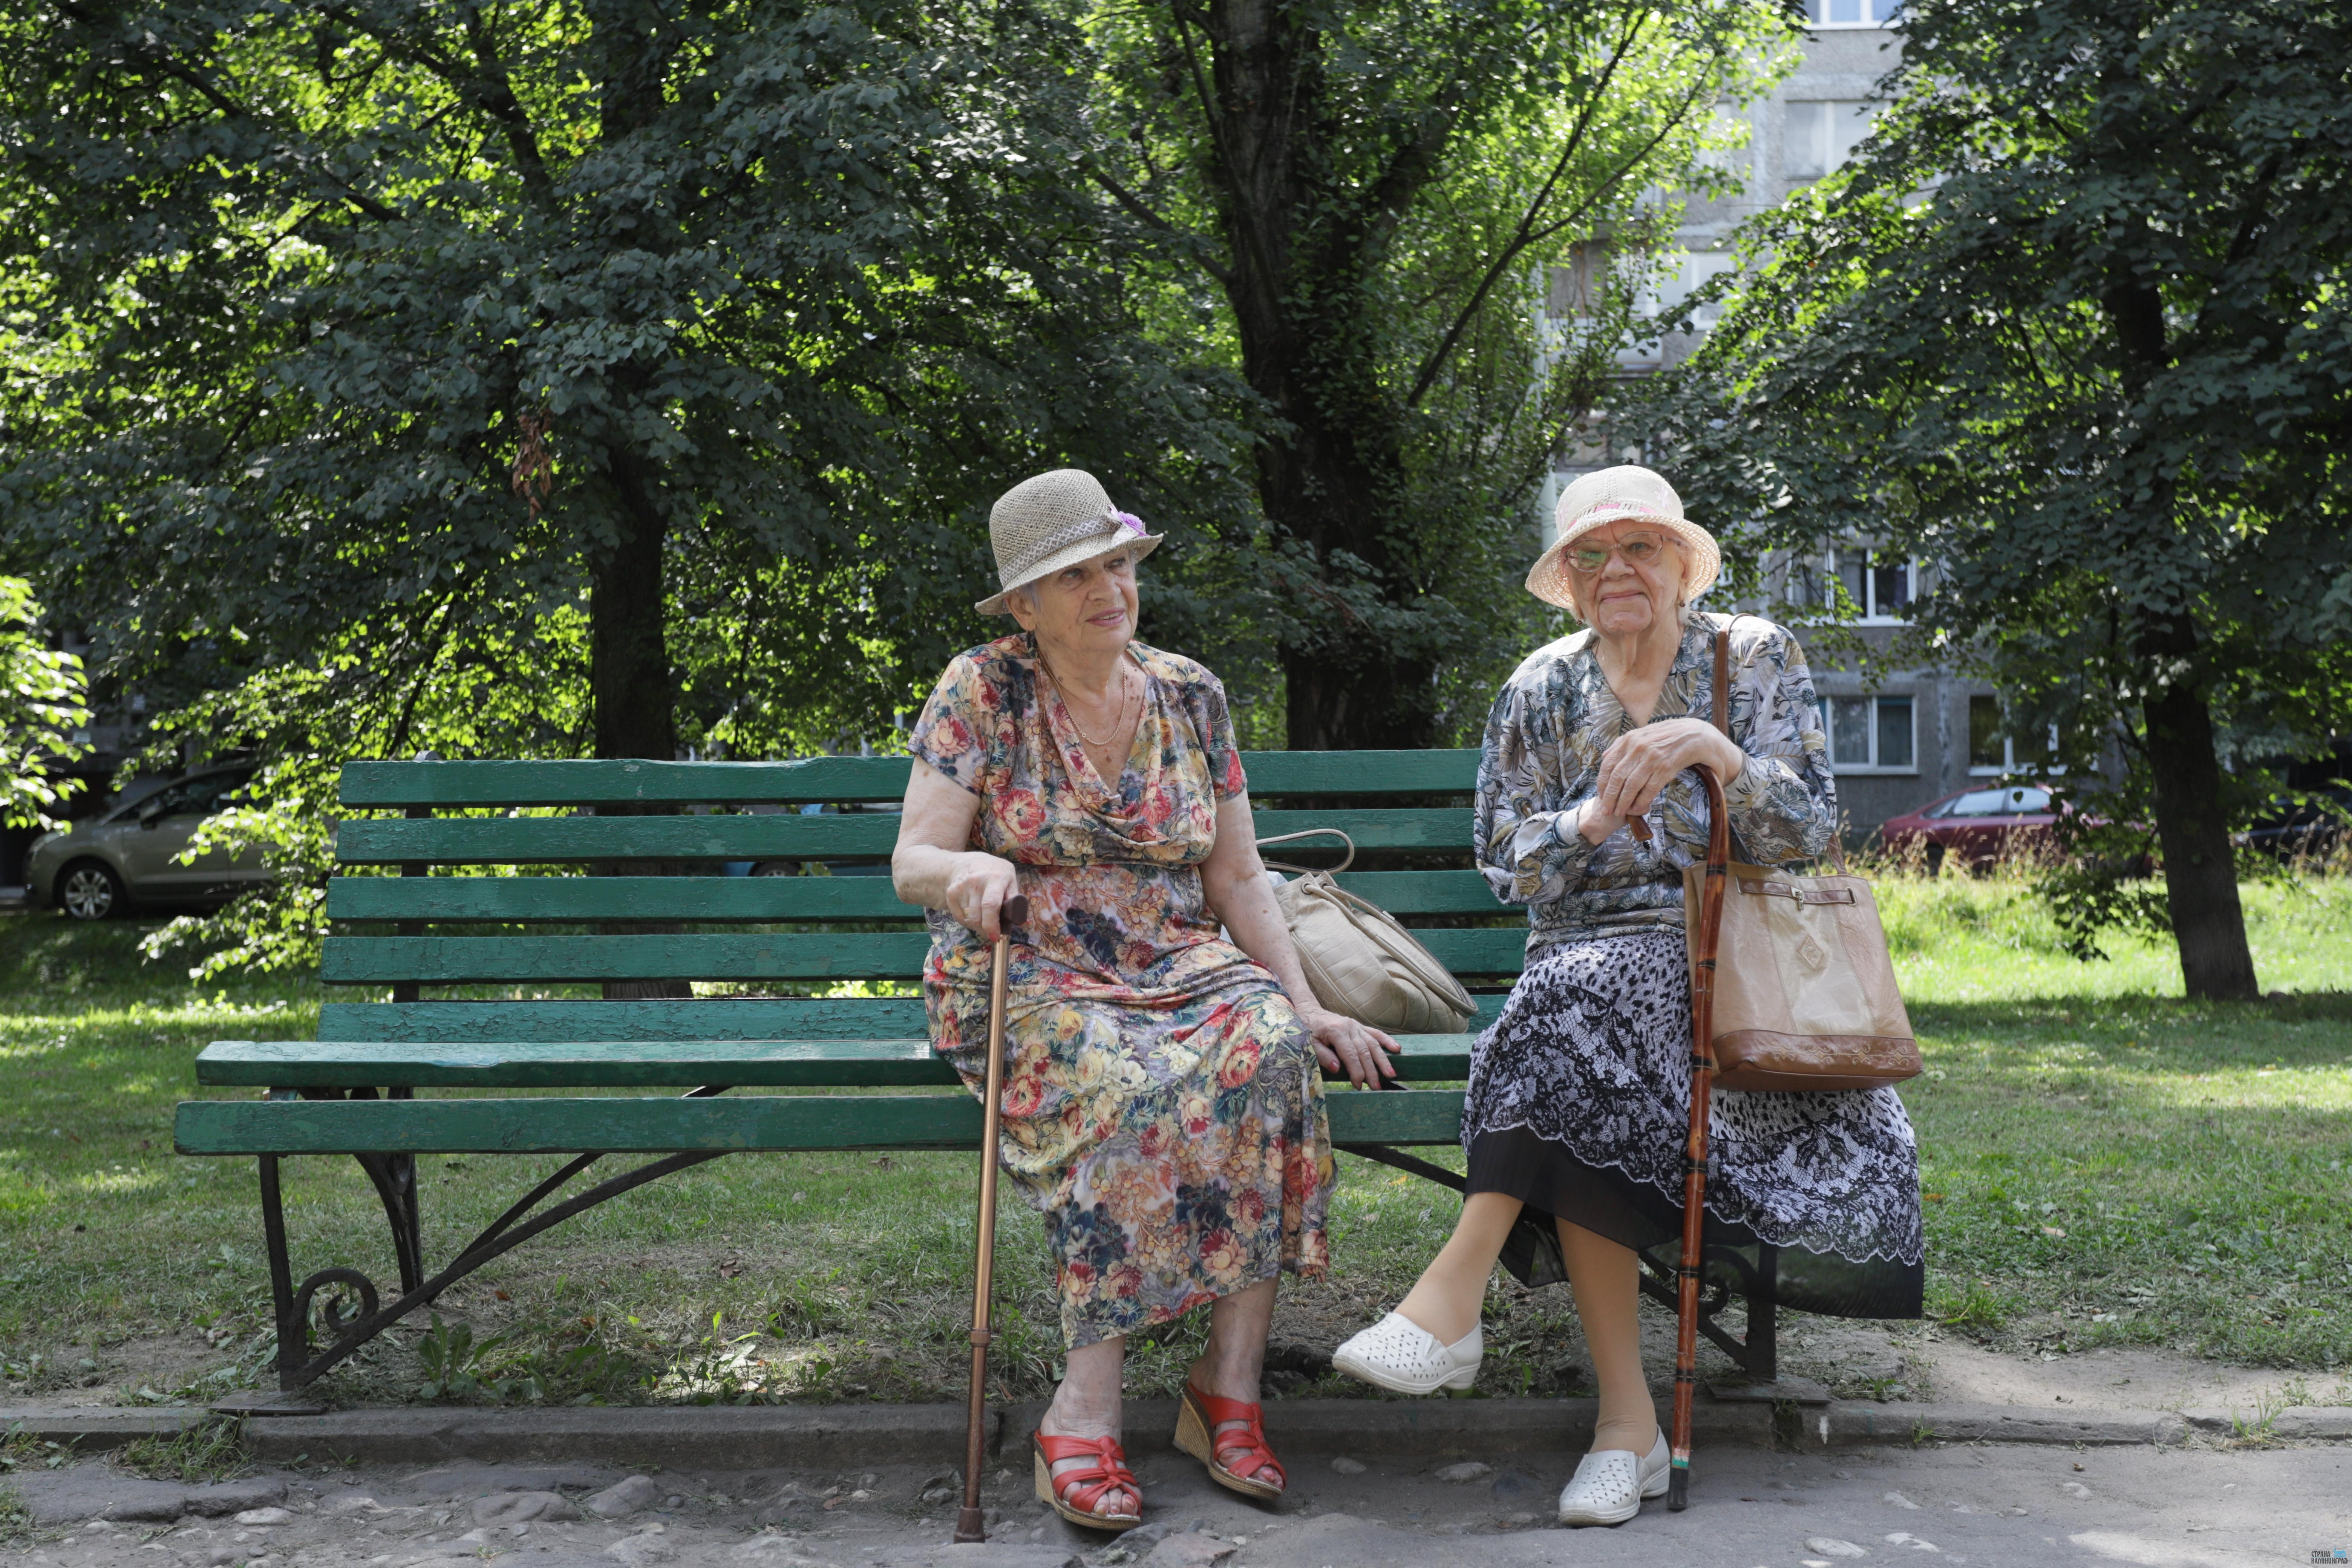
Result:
x=1215 y=720
x=962 y=731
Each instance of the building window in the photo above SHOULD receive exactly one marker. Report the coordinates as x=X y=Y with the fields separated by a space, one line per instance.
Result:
x=1881 y=584
x=1872 y=735
x=1821 y=135
x=1853 y=13
x=1692 y=271
x=1993 y=751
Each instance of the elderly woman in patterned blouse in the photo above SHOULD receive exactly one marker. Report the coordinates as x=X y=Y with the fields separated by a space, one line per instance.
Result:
x=1579 y=1093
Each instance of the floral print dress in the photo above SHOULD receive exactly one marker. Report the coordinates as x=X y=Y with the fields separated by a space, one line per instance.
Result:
x=1161 y=1104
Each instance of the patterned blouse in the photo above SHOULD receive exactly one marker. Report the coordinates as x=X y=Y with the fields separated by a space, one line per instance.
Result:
x=1545 y=737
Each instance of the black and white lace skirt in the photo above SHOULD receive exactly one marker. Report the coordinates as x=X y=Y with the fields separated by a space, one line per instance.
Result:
x=1579 y=1107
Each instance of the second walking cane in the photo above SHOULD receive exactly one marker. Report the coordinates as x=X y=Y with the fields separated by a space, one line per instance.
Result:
x=971 y=1522
x=1695 y=1163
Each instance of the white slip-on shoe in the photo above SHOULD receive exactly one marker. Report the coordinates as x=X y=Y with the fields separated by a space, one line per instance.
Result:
x=1610 y=1485
x=1400 y=1355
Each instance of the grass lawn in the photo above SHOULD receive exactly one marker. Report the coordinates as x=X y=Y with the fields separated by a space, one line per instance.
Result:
x=2105 y=1164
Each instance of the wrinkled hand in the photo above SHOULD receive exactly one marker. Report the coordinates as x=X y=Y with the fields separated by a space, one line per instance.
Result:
x=1638 y=763
x=977 y=888
x=1343 y=1044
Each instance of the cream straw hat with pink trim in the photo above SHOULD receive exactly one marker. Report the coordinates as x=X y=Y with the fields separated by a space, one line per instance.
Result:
x=1626 y=494
x=1053 y=521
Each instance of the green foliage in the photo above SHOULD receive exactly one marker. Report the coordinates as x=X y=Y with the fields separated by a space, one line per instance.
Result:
x=1357 y=207
x=2074 y=326
x=40 y=707
x=210 y=1450
x=368 y=339
x=457 y=1367
x=368 y=361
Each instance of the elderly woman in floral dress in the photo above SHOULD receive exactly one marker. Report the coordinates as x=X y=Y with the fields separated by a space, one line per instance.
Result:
x=1579 y=1093
x=1161 y=1104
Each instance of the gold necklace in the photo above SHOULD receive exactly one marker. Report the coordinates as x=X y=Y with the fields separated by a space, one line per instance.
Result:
x=1119 y=720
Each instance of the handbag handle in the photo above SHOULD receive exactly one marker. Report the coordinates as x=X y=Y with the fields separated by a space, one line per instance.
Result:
x=1345 y=862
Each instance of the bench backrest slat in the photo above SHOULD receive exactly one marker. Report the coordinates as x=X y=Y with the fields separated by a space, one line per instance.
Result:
x=566 y=1018
x=822 y=955
x=450 y=786
x=550 y=840
x=556 y=822
x=720 y=899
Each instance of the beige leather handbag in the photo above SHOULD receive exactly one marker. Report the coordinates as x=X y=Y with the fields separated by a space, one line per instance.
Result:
x=1358 y=961
x=1804 y=990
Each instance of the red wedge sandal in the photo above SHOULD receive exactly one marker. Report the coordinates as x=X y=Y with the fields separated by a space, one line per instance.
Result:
x=1074 y=1493
x=1235 y=1458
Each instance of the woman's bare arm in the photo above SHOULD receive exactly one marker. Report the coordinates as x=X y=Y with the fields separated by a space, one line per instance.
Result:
x=934 y=864
x=1234 y=880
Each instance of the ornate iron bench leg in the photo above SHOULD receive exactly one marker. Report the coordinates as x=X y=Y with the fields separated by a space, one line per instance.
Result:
x=290 y=1337
x=345 y=1299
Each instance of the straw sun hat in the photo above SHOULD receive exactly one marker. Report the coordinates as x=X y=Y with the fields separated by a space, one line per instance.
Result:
x=1627 y=494
x=1053 y=521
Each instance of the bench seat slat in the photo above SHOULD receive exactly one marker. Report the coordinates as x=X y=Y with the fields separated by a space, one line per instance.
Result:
x=517 y=900
x=663 y=1125
x=645 y=1064
x=707 y=1018
x=585 y=783
x=552 y=840
x=465 y=959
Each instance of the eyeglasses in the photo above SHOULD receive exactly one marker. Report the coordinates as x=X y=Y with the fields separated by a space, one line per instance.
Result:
x=1638 y=549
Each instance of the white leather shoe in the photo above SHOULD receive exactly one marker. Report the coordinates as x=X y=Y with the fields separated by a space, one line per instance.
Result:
x=1611 y=1484
x=1400 y=1355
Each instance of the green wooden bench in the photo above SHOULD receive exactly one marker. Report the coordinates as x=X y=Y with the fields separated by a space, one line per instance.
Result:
x=365 y=1088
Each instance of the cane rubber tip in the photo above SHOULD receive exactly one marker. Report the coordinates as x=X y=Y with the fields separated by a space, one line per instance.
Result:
x=1678 y=1491
x=971 y=1526
x=1014 y=910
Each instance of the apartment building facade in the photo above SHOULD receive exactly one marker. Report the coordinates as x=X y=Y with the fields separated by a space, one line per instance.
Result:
x=1900 y=735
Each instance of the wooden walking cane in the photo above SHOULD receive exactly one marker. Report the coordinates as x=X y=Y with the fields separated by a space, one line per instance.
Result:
x=1702 y=1064
x=971 y=1522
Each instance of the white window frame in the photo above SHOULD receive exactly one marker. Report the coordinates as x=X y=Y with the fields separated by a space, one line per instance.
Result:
x=1885 y=14
x=2010 y=766
x=1913 y=575
x=1830 y=700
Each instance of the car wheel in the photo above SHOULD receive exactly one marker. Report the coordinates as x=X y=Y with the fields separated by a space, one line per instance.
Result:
x=1935 y=859
x=89 y=890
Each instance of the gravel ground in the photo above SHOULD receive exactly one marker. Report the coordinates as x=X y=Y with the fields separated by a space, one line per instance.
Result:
x=2195 y=1507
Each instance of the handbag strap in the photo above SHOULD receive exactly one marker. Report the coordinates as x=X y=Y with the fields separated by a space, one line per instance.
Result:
x=1723 y=719
x=1345 y=862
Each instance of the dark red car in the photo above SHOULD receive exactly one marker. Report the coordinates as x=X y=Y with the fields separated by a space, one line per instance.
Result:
x=1977 y=825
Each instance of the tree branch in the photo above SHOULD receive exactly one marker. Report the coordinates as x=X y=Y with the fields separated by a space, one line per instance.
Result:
x=164 y=65
x=1528 y=235
x=1141 y=210
x=1523 y=237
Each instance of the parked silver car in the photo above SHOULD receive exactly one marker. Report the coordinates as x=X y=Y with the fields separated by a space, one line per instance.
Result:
x=130 y=857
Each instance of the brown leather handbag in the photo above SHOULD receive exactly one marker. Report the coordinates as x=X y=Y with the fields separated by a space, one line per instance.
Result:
x=1804 y=992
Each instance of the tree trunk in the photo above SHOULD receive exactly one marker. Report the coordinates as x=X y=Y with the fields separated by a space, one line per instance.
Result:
x=2201 y=875
x=628 y=649
x=629 y=679
x=1303 y=248
x=2200 y=872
